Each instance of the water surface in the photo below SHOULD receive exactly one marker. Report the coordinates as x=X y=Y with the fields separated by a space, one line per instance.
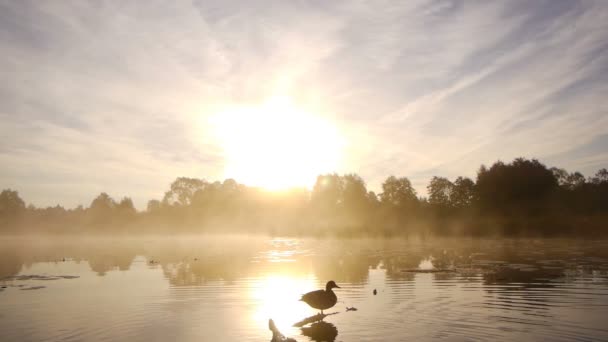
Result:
x=226 y=288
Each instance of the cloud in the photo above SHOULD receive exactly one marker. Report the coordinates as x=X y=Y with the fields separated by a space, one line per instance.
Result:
x=536 y=96
x=113 y=96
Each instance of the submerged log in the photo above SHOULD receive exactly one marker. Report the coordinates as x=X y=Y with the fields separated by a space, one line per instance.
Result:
x=277 y=336
x=316 y=318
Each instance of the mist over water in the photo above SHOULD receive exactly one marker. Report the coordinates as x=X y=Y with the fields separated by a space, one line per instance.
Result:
x=225 y=288
x=523 y=198
x=303 y=171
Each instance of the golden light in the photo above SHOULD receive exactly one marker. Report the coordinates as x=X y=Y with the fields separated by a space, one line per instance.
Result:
x=277 y=297
x=276 y=145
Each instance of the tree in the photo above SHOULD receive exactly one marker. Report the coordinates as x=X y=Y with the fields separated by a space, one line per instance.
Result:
x=372 y=199
x=354 y=193
x=10 y=203
x=523 y=185
x=126 y=209
x=398 y=192
x=182 y=190
x=103 y=203
x=327 y=192
x=463 y=192
x=153 y=206
x=560 y=175
x=102 y=209
x=575 y=180
x=230 y=196
x=440 y=192
x=12 y=207
x=600 y=177
x=569 y=181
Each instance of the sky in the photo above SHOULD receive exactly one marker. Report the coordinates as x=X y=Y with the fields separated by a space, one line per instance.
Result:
x=120 y=96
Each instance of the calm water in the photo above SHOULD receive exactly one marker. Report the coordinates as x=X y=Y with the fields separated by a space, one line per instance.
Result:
x=226 y=289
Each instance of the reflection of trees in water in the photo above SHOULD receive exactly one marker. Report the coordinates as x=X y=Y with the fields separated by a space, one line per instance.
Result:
x=102 y=255
x=531 y=263
x=343 y=267
x=498 y=261
x=102 y=263
x=241 y=260
x=10 y=261
x=200 y=271
x=197 y=261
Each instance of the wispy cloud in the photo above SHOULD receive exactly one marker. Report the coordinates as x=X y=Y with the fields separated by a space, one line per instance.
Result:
x=112 y=96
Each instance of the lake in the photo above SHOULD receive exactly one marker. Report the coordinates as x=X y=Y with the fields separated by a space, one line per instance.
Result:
x=226 y=288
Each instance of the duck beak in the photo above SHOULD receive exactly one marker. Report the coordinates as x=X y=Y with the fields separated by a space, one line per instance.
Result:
x=338 y=286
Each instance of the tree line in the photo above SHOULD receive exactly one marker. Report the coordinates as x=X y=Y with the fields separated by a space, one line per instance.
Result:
x=523 y=197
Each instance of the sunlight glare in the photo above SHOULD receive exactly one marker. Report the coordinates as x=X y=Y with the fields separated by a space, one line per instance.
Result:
x=278 y=298
x=276 y=145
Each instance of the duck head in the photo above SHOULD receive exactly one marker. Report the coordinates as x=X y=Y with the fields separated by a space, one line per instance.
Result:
x=331 y=285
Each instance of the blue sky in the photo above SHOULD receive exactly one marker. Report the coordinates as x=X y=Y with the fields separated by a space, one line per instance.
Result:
x=113 y=96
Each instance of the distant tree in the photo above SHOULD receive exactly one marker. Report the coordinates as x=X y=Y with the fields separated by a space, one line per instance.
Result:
x=341 y=200
x=560 y=175
x=372 y=199
x=231 y=196
x=126 y=209
x=103 y=203
x=182 y=190
x=102 y=209
x=522 y=196
x=463 y=193
x=231 y=186
x=12 y=207
x=523 y=185
x=440 y=192
x=567 y=180
x=600 y=177
x=592 y=197
x=398 y=192
x=575 y=180
x=327 y=192
x=126 y=204
x=354 y=193
x=153 y=206
x=208 y=197
x=10 y=203
x=225 y=200
x=52 y=215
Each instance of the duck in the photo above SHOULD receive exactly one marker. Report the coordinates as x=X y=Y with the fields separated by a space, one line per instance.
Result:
x=322 y=299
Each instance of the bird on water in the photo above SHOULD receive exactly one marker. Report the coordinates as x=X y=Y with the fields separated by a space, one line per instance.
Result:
x=322 y=299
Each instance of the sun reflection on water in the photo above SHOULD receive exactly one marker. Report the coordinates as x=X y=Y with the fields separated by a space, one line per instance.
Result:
x=281 y=250
x=426 y=264
x=277 y=296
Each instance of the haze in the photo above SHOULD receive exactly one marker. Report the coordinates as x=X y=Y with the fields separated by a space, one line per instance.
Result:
x=120 y=97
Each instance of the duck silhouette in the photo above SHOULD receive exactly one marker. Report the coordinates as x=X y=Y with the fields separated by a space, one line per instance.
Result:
x=322 y=299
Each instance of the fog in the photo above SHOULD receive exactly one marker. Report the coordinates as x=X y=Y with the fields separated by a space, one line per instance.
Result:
x=520 y=198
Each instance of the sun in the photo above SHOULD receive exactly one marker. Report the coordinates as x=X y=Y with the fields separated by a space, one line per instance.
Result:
x=276 y=145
